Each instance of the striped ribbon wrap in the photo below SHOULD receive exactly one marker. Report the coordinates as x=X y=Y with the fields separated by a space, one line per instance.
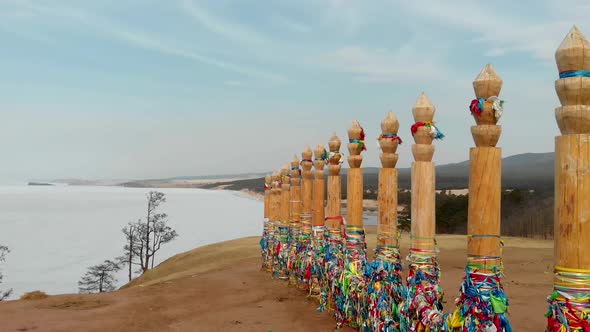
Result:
x=569 y=305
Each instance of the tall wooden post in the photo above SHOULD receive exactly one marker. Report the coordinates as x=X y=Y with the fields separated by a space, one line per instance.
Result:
x=569 y=305
x=318 y=219
x=423 y=306
x=482 y=291
x=352 y=307
x=274 y=224
x=283 y=225
x=264 y=240
x=305 y=254
x=386 y=287
x=294 y=217
x=334 y=222
x=387 y=232
x=334 y=201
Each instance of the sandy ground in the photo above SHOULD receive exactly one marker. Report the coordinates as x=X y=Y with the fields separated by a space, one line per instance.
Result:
x=220 y=288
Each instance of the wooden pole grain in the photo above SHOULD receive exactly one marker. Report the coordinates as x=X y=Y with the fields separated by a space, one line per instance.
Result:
x=334 y=202
x=354 y=193
x=387 y=232
x=319 y=187
x=423 y=223
x=483 y=224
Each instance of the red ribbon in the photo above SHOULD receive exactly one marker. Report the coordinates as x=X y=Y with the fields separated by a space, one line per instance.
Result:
x=417 y=125
x=474 y=107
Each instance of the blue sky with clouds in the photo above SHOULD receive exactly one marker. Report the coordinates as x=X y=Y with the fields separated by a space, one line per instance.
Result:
x=149 y=88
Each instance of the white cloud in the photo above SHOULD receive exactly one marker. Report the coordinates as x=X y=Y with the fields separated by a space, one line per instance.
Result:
x=222 y=27
x=383 y=65
x=146 y=41
x=500 y=31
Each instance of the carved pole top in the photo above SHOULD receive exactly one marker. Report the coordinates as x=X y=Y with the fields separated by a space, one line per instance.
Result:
x=295 y=172
x=356 y=139
x=389 y=141
x=423 y=110
x=573 y=62
x=488 y=83
x=486 y=108
x=306 y=162
x=334 y=145
x=321 y=155
x=285 y=180
x=334 y=156
x=574 y=52
x=275 y=178
x=424 y=130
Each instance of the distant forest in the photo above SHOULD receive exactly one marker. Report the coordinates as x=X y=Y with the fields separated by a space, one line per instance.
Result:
x=527 y=202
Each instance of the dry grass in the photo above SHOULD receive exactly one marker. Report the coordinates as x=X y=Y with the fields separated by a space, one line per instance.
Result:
x=34 y=295
x=200 y=260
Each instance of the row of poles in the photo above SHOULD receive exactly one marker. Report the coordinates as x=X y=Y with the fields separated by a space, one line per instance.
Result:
x=307 y=241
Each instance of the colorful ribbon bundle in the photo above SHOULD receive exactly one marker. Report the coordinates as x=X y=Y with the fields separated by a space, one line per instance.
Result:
x=294 y=248
x=264 y=245
x=304 y=254
x=569 y=305
x=482 y=304
x=361 y=141
x=434 y=132
x=390 y=137
x=316 y=275
x=334 y=262
x=351 y=305
x=422 y=308
x=477 y=106
x=281 y=253
x=333 y=154
x=385 y=289
x=269 y=244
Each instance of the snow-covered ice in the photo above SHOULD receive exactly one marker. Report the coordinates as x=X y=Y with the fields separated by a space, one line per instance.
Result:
x=56 y=232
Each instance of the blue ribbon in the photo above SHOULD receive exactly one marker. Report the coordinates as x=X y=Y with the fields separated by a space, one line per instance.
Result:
x=574 y=73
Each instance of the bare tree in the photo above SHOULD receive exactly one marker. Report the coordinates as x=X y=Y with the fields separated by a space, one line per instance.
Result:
x=99 y=278
x=3 y=252
x=143 y=239
x=131 y=248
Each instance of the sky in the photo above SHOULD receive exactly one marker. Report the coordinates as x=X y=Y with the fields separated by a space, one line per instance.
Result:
x=135 y=89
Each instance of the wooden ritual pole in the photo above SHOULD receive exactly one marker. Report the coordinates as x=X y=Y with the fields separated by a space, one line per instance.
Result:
x=318 y=219
x=569 y=305
x=386 y=286
x=264 y=240
x=482 y=290
x=275 y=215
x=334 y=223
x=422 y=309
x=283 y=225
x=294 y=217
x=352 y=308
x=305 y=254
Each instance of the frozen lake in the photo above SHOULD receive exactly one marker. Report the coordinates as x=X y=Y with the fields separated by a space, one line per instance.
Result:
x=56 y=232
